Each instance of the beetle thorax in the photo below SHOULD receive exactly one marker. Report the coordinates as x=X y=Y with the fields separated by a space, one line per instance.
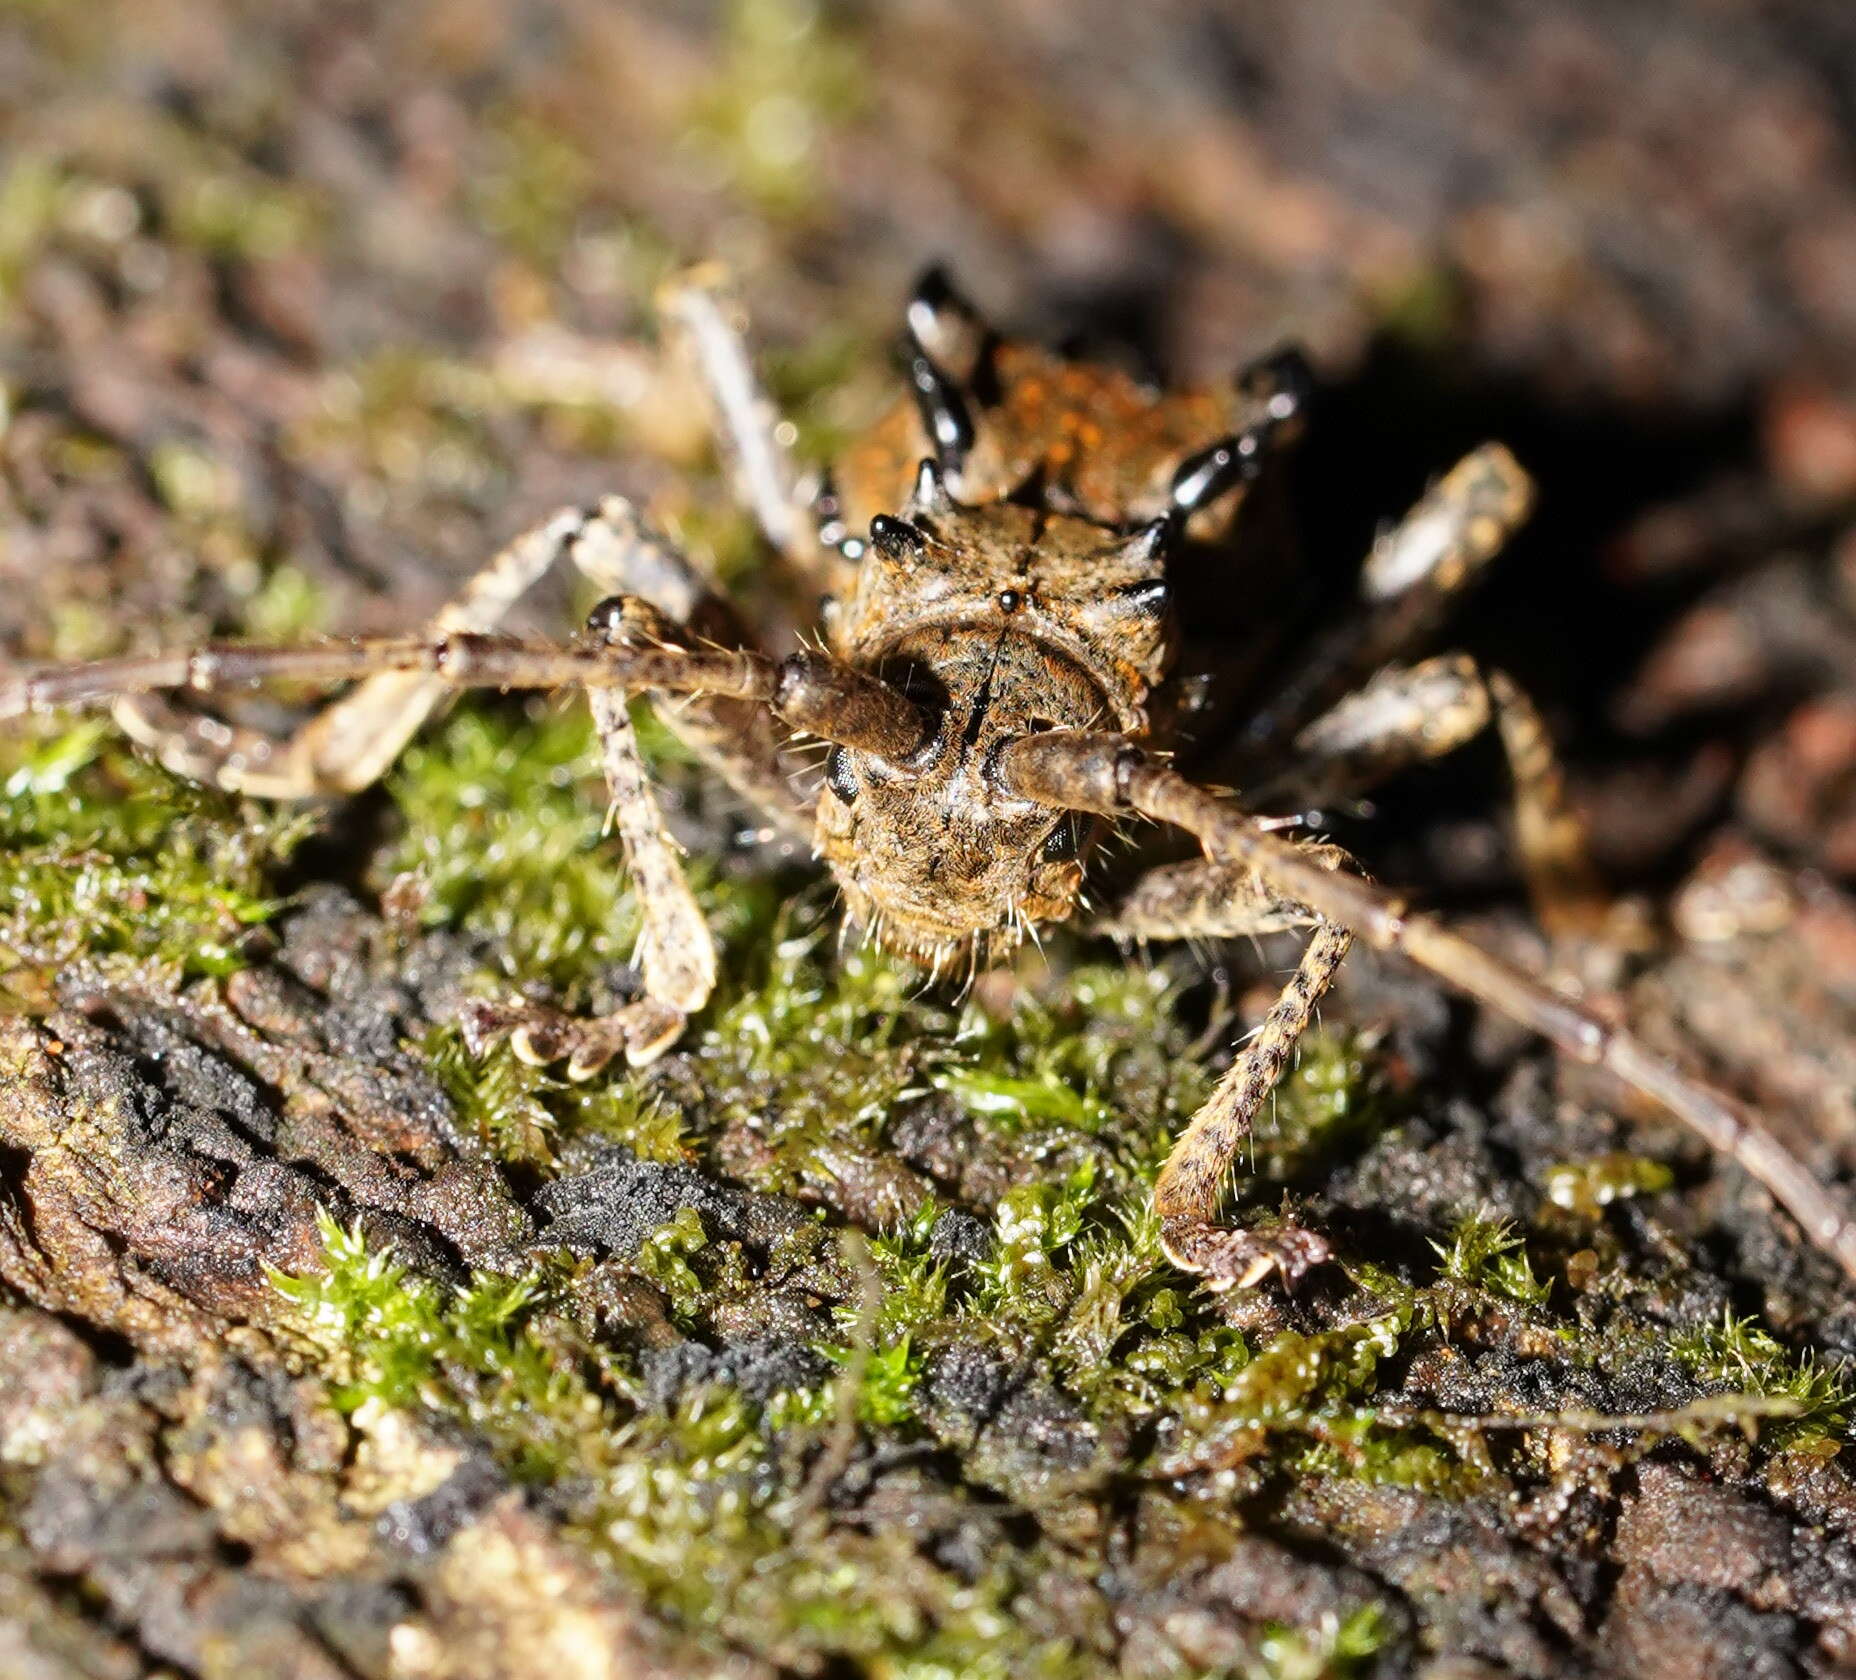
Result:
x=998 y=621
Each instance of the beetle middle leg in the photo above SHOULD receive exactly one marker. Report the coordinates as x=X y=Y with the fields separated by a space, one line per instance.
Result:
x=1417 y=570
x=703 y=327
x=738 y=739
x=352 y=742
x=1408 y=715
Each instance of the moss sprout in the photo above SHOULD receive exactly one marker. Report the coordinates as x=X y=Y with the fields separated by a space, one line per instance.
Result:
x=1490 y=1254
x=1736 y=1354
x=1338 y=1648
x=1588 y=1187
x=490 y=1354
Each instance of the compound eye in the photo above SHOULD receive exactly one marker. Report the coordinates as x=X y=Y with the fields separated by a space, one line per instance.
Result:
x=839 y=776
x=1065 y=841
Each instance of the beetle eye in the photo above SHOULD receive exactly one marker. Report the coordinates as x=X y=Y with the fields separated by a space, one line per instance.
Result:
x=1064 y=841
x=839 y=776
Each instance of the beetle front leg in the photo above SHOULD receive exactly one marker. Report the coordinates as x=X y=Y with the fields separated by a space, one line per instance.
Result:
x=1202 y=898
x=1190 y=1186
x=1111 y=775
x=352 y=742
x=663 y=616
x=675 y=956
x=660 y=600
x=1205 y=898
x=703 y=326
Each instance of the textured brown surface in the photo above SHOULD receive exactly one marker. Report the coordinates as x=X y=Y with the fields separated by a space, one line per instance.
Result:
x=333 y=285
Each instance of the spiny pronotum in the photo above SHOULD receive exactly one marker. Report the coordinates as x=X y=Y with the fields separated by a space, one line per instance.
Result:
x=1005 y=562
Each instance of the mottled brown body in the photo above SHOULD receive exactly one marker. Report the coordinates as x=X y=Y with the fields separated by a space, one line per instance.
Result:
x=1006 y=620
x=1084 y=439
x=997 y=681
x=1024 y=587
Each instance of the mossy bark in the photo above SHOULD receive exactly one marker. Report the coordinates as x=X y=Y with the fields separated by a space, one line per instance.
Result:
x=840 y=1341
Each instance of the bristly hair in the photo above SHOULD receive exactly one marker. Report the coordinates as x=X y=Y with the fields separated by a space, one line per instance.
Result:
x=940 y=959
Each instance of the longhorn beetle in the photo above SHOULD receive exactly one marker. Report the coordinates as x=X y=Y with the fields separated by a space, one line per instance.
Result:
x=1002 y=673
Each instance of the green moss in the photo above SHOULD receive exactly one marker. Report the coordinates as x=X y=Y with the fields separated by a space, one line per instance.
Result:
x=708 y=1509
x=1588 y=1187
x=499 y=1099
x=1490 y=1254
x=814 y=1057
x=1330 y=1103
x=702 y=1508
x=914 y=1283
x=504 y=837
x=1336 y=1650
x=887 y=1383
x=699 y=1511
x=1303 y=1406
x=103 y=855
x=1082 y=1091
x=1102 y=1053
x=1032 y=1226
x=664 y=1257
x=784 y=76
x=488 y=1354
x=1738 y=1355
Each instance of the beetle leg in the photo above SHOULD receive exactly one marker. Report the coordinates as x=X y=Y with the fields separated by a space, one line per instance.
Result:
x=1111 y=775
x=1206 y=898
x=1200 y=898
x=734 y=732
x=676 y=953
x=1415 y=572
x=1410 y=714
x=659 y=599
x=1188 y=1191
x=705 y=329
x=738 y=739
x=353 y=741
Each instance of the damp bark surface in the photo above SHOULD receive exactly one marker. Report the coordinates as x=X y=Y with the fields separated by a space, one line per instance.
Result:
x=839 y=1341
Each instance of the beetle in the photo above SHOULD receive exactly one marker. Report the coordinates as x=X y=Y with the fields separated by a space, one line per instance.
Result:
x=1004 y=671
